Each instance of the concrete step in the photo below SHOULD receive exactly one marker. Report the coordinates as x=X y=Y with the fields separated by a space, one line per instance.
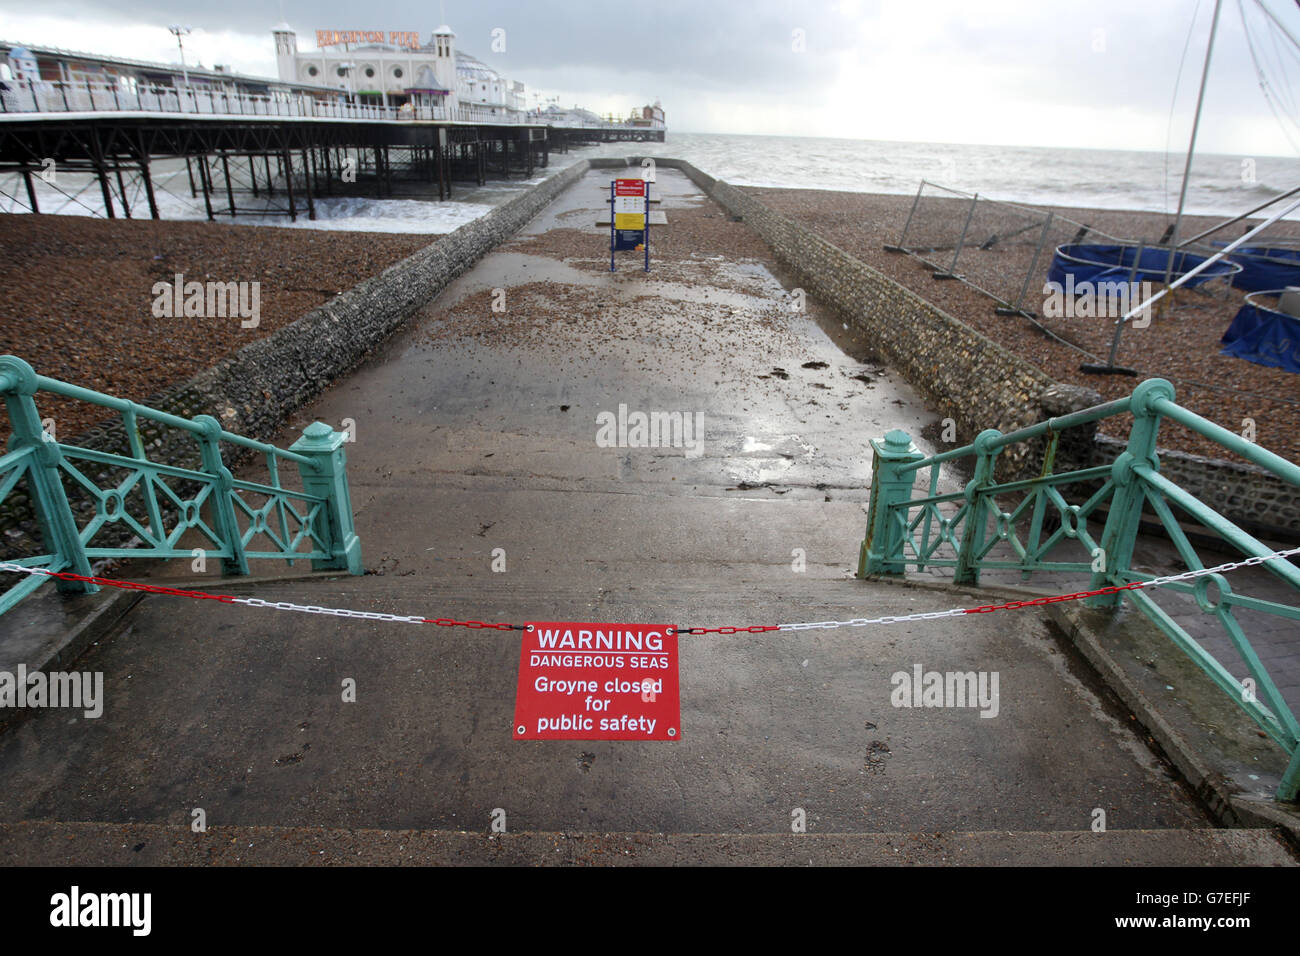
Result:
x=113 y=844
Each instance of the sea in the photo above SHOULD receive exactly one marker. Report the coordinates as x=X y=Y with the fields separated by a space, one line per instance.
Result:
x=1220 y=185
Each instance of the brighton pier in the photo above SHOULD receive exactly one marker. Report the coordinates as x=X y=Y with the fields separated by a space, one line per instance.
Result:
x=429 y=118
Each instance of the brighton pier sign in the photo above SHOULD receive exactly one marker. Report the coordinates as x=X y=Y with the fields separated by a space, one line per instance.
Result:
x=407 y=38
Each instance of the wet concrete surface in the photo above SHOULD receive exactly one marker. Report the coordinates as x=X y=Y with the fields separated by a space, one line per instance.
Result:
x=477 y=430
x=242 y=716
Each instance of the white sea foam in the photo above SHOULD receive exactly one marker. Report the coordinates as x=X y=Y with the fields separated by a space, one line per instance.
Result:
x=1087 y=178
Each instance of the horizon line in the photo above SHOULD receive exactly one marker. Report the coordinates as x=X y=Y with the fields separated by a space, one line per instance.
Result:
x=940 y=142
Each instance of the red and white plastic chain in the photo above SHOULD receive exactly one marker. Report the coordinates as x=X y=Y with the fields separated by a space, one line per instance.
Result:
x=754 y=629
x=258 y=602
x=1046 y=599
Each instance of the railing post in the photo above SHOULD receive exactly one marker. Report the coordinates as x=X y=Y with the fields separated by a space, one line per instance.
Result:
x=327 y=478
x=1120 y=533
x=882 y=548
x=223 y=508
x=967 y=570
x=50 y=502
x=1289 y=788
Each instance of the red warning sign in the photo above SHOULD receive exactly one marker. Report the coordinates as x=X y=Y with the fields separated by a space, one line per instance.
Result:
x=598 y=682
x=629 y=187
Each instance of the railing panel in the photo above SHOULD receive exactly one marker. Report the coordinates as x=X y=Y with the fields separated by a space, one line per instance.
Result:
x=86 y=501
x=1030 y=525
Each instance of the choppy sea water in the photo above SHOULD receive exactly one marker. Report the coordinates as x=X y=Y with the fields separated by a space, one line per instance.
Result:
x=1089 y=178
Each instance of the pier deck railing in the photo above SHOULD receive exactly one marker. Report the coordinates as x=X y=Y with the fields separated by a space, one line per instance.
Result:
x=1029 y=525
x=80 y=496
x=89 y=97
x=47 y=96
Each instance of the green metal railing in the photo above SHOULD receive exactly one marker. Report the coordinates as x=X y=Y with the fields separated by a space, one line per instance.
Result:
x=1025 y=524
x=160 y=504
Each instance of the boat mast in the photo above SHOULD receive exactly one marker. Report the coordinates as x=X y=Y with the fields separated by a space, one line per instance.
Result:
x=1191 y=146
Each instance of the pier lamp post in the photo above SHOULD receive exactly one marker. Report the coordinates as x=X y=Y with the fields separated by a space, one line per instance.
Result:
x=347 y=69
x=178 y=32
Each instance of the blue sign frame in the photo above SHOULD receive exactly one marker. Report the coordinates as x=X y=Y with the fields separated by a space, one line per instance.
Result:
x=622 y=239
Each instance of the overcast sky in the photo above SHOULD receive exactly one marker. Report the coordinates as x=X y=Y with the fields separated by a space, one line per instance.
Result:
x=1027 y=72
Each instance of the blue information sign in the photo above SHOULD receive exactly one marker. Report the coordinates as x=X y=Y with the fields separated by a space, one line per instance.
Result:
x=629 y=218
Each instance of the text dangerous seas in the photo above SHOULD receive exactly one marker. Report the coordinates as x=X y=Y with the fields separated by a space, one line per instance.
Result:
x=597 y=682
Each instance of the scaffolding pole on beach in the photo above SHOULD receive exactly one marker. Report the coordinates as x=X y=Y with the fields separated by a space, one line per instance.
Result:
x=1191 y=146
x=1245 y=215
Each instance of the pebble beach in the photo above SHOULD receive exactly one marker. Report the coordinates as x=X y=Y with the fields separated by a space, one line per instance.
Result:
x=79 y=301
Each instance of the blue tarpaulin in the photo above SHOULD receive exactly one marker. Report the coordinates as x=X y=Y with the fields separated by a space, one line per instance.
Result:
x=1074 y=264
x=1265 y=337
x=1265 y=268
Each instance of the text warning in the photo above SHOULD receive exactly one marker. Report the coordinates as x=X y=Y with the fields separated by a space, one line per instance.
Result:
x=598 y=682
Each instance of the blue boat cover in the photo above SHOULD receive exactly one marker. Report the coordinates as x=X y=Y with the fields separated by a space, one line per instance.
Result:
x=1112 y=263
x=1264 y=337
x=1264 y=268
